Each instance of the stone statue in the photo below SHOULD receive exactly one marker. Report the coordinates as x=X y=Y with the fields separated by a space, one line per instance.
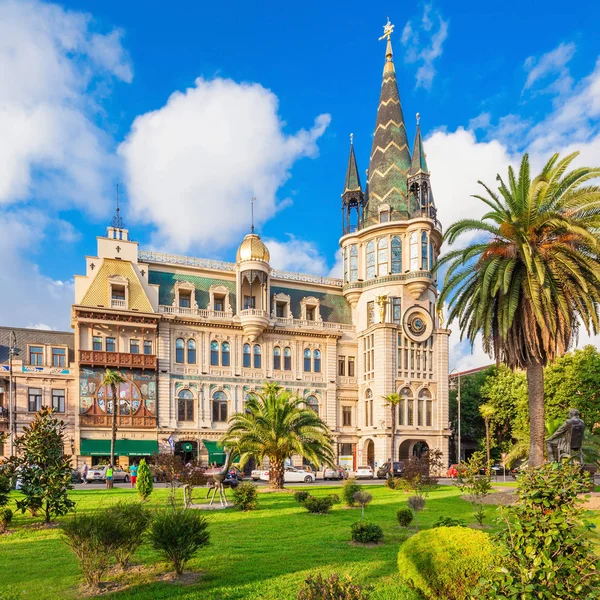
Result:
x=218 y=476
x=382 y=301
x=567 y=440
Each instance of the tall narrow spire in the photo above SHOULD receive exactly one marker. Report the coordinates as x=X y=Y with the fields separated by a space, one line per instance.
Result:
x=353 y=199
x=117 y=221
x=352 y=183
x=390 y=159
x=419 y=163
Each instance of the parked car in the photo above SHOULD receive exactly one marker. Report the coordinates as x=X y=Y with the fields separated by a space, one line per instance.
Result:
x=293 y=475
x=364 y=472
x=334 y=473
x=256 y=474
x=98 y=473
x=383 y=470
x=239 y=474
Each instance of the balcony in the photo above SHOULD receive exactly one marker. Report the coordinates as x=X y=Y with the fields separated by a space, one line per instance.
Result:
x=307 y=324
x=118 y=303
x=143 y=421
x=117 y=359
x=202 y=313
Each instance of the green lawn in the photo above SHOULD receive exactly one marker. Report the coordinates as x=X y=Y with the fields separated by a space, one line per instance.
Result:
x=263 y=554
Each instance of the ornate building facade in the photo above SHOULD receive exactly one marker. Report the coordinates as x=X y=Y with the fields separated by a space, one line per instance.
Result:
x=193 y=337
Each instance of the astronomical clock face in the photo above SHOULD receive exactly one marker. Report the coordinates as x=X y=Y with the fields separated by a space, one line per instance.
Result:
x=418 y=324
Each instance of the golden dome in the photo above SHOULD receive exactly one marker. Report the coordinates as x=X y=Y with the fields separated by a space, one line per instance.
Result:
x=252 y=248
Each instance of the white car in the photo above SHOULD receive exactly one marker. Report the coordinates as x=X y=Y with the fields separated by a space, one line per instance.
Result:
x=293 y=475
x=364 y=472
x=99 y=474
x=257 y=473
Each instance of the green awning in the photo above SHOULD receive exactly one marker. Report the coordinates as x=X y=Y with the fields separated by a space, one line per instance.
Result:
x=125 y=447
x=215 y=452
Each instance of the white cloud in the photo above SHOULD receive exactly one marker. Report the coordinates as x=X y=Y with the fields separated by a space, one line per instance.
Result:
x=553 y=63
x=204 y=155
x=296 y=255
x=28 y=298
x=51 y=150
x=425 y=44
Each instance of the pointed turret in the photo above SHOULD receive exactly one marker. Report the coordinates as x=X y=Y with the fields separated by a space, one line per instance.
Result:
x=353 y=199
x=390 y=160
x=419 y=163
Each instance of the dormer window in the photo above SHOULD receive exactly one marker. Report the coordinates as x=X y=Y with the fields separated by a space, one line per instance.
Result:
x=384 y=216
x=185 y=299
x=219 y=303
x=118 y=291
x=280 y=304
x=280 y=310
x=310 y=313
x=185 y=295
x=310 y=309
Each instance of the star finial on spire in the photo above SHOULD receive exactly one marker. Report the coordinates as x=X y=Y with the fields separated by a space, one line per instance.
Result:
x=351 y=139
x=117 y=221
x=388 y=29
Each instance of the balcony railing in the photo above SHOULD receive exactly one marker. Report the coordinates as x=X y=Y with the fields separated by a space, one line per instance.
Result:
x=117 y=359
x=254 y=312
x=283 y=322
x=117 y=303
x=122 y=421
x=195 y=312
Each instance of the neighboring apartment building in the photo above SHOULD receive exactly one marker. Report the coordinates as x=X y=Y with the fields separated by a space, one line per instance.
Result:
x=43 y=374
x=193 y=337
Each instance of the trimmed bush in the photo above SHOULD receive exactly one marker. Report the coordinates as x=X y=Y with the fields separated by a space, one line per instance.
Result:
x=348 y=490
x=404 y=516
x=245 y=496
x=129 y=521
x=6 y=516
x=446 y=562
x=301 y=495
x=177 y=534
x=320 y=506
x=145 y=481
x=333 y=588
x=91 y=537
x=366 y=533
x=362 y=498
x=334 y=498
x=449 y=522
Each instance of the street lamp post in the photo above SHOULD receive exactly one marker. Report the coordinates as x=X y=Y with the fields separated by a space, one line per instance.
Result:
x=12 y=351
x=458 y=416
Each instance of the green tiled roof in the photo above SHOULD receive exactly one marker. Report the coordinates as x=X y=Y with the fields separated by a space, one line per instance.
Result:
x=418 y=160
x=352 y=183
x=334 y=307
x=167 y=281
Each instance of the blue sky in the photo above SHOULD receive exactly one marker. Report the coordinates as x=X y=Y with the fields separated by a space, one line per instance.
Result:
x=194 y=107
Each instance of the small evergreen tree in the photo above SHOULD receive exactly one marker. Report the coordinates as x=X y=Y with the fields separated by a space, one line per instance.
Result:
x=145 y=483
x=44 y=470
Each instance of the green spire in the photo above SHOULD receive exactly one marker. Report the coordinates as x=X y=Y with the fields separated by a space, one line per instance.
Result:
x=419 y=164
x=352 y=183
x=390 y=156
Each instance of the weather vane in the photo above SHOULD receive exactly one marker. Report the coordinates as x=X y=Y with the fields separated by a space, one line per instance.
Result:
x=388 y=29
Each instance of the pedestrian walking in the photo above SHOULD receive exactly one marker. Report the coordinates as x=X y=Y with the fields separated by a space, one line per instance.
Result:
x=84 y=473
x=133 y=471
x=109 y=477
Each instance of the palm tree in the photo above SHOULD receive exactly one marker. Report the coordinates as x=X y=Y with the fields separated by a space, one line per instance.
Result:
x=112 y=379
x=393 y=400
x=535 y=277
x=277 y=425
x=487 y=411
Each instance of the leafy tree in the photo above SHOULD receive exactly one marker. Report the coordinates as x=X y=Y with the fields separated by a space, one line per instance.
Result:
x=535 y=278
x=362 y=498
x=393 y=400
x=421 y=473
x=487 y=411
x=475 y=485
x=277 y=425
x=145 y=483
x=112 y=379
x=44 y=471
x=6 y=472
x=171 y=466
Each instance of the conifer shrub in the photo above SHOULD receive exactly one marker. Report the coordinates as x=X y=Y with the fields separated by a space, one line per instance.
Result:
x=145 y=481
x=6 y=516
x=129 y=522
x=178 y=534
x=446 y=562
x=245 y=496
x=320 y=506
x=350 y=488
x=317 y=587
x=301 y=495
x=366 y=533
x=404 y=516
x=449 y=522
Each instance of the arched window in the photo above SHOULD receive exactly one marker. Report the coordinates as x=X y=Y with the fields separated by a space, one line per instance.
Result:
x=191 y=352
x=277 y=358
x=287 y=359
x=313 y=403
x=382 y=257
x=424 y=246
x=225 y=361
x=370 y=260
x=179 y=350
x=354 y=262
x=426 y=398
x=345 y=265
x=185 y=406
x=396 y=254
x=414 y=251
x=431 y=256
x=317 y=361
x=214 y=353
x=406 y=393
x=257 y=361
x=246 y=358
x=307 y=360
x=368 y=408
x=219 y=407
